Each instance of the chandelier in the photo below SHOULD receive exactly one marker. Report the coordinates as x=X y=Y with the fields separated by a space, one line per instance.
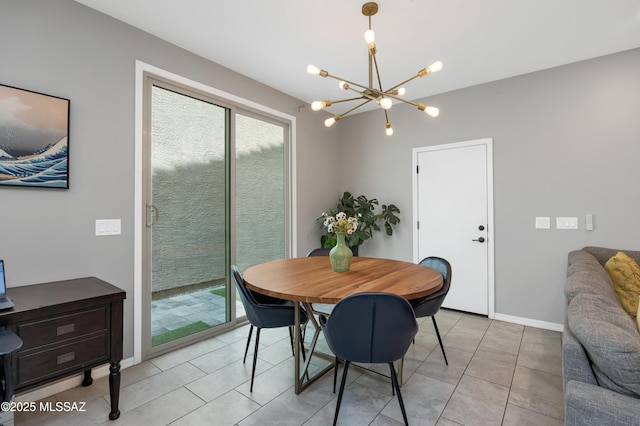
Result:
x=369 y=93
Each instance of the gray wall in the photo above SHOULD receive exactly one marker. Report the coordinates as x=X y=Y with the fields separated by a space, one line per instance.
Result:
x=62 y=48
x=566 y=143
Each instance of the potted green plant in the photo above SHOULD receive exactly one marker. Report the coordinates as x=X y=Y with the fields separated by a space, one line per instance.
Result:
x=364 y=210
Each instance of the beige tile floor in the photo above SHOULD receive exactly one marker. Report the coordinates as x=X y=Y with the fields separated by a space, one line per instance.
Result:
x=498 y=374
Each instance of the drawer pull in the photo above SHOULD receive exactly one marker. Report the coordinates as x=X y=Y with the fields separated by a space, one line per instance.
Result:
x=66 y=357
x=64 y=329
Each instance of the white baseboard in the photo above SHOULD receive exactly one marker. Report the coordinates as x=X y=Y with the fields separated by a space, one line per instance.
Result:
x=69 y=383
x=530 y=322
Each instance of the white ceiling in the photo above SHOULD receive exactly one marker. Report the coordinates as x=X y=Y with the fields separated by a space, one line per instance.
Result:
x=273 y=41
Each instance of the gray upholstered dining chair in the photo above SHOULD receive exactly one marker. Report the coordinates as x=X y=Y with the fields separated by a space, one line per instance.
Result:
x=265 y=312
x=370 y=328
x=429 y=306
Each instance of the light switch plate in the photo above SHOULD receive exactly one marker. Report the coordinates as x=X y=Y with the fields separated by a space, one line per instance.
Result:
x=108 y=227
x=588 y=222
x=566 y=223
x=543 y=223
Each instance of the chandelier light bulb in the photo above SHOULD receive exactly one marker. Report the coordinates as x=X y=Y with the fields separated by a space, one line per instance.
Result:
x=313 y=70
x=386 y=103
x=402 y=91
x=432 y=111
x=318 y=105
x=343 y=85
x=331 y=121
x=389 y=130
x=369 y=37
x=435 y=67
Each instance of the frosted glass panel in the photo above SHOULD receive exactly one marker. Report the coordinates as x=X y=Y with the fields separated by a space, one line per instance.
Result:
x=260 y=191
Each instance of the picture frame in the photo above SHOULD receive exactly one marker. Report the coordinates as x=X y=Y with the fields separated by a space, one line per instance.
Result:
x=34 y=139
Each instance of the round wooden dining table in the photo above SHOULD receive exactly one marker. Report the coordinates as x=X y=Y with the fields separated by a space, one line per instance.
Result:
x=308 y=280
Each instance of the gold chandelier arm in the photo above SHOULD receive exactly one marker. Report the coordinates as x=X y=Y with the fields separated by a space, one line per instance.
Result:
x=430 y=111
x=354 y=108
x=375 y=62
x=404 y=82
x=435 y=67
x=391 y=95
x=346 y=100
x=346 y=81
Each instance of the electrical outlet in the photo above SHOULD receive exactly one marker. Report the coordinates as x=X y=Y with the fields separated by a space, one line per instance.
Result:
x=566 y=223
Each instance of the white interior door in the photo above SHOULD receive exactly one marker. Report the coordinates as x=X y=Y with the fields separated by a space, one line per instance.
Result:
x=452 y=193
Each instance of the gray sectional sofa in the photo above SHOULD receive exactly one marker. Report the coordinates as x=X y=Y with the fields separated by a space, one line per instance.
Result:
x=600 y=345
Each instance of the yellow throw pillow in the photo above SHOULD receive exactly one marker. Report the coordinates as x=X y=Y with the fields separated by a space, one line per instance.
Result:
x=625 y=274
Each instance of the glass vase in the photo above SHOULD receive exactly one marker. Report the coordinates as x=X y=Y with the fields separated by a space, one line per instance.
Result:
x=340 y=255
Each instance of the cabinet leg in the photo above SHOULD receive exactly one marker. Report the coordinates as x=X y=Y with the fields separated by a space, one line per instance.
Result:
x=114 y=389
x=87 y=378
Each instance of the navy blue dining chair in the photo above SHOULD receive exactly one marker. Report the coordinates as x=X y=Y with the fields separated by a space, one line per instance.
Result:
x=321 y=308
x=265 y=312
x=319 y=252
x=10 y=343
x=370 y=328
x=429 y=306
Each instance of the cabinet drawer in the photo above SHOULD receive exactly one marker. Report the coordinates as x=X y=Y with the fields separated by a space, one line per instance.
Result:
x=57 y=329
x=38 y=365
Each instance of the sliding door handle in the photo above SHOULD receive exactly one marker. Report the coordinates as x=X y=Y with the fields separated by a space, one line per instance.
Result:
x=153 y=214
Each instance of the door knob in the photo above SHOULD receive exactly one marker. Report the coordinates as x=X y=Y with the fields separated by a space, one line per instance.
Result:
x=481 y=227
x=480 y=240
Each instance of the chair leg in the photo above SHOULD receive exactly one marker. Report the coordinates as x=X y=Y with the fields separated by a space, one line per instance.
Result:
x=344 y=380
x=304 y=354
x=394 y=381
x=247 y=348
x=336 y=362
x=291 y=340
x=435 y=325
x=255 y=358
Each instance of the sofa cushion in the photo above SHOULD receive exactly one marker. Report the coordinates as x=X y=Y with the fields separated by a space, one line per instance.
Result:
x=625 y=275
x=611 y=340
x=576 y=256
x=593 y=267
x=590 y=281
x=602 y=254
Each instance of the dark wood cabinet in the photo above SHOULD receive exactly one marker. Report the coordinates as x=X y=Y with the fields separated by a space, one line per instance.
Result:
x=67 y=327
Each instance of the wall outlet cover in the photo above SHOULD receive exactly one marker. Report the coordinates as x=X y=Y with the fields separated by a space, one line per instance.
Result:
x=566 y=223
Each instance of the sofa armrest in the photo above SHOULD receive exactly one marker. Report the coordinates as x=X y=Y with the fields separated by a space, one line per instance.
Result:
x=587 y=405
x=575 y=363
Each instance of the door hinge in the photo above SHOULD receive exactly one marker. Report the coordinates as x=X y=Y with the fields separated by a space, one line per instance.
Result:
x=418 y=224
x=417 y=169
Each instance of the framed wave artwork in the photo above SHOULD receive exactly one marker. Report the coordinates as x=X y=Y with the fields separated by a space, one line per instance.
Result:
x=34 y=139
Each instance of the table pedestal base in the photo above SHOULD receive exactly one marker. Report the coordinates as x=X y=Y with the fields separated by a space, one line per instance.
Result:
x=303 y=378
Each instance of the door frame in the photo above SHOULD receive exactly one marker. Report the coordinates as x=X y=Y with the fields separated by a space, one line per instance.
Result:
x=141 y=69
x=488 y=143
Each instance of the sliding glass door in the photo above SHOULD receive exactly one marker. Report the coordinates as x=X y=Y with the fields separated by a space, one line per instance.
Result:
x=216 y=192
x=187 y=216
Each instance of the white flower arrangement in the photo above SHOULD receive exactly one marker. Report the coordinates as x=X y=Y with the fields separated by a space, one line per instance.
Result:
x=340 y=223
